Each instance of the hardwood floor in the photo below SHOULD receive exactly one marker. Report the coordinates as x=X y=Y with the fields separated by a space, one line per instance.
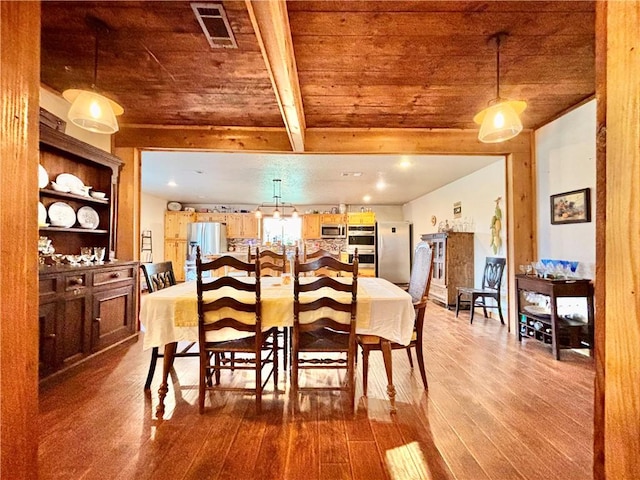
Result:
x=495 y=409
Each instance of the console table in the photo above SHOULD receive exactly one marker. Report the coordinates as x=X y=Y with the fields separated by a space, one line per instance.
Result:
x=559 y=332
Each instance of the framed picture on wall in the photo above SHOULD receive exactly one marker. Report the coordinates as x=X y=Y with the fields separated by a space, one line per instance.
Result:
x=571 y=207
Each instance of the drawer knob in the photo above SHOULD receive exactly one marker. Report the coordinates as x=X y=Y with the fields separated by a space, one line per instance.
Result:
x=50 y=336
x=76 y=281
x=97 y=320
x=115 y=275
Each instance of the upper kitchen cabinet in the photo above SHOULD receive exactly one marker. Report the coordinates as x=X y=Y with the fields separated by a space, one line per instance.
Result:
x=333 y=218
x=211 y=217
x=310 y=226
x=76 y=167
x=243 y=225
x=175 y=224
x=362 y=218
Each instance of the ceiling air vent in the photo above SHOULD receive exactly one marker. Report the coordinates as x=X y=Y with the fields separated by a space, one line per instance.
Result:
x=215 y=24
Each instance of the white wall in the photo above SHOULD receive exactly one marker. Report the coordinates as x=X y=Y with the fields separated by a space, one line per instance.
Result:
x=60 y=108
x=477 y=193
x=152 y=218
x=565 y=156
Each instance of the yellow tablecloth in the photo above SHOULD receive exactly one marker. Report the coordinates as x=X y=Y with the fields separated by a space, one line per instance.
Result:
x=170 y=315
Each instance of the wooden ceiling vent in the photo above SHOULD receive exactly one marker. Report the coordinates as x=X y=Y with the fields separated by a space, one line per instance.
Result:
x=215 y=24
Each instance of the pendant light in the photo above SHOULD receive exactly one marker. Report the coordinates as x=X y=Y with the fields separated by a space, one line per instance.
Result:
x=89 y=109
x=500 y=121
x=277 y=203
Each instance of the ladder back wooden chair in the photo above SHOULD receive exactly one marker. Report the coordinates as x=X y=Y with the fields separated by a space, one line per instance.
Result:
x=307 y=257
x=158 y=276
x=491 y=285
x=419 y=284
x=254 y=350
x=272 y=264
x=324 y=322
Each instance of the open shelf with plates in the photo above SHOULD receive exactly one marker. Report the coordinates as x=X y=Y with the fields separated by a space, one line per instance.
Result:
x=544 y=324
x=95 y=168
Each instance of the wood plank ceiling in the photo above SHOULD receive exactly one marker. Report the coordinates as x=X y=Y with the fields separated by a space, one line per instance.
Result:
x=350 y=64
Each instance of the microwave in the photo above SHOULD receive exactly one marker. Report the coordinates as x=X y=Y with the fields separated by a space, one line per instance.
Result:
x=337 y=230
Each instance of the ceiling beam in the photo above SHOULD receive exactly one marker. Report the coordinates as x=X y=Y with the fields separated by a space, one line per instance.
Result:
x=271 y=24
x=319 y=140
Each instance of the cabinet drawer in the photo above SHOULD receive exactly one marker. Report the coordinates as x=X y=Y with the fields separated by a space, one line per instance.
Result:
x=74 y=282
x=112 y=276
x=48 y=286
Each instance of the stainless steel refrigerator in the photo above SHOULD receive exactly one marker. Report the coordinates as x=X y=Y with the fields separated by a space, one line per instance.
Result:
x=211 y=237
x=393 y=251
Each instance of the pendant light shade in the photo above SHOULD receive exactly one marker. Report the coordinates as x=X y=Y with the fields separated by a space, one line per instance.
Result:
x=90 y=110
x=500 y=121
x=279 y=207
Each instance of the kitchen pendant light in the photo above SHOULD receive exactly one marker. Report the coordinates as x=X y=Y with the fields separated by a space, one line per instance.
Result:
x=277 y=203
x=90 y=110
x=500 y=121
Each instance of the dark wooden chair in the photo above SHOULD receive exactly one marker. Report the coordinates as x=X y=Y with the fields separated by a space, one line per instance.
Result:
x=334 y=331
x=159 y=276
x=257 y=348
x=491 y=283
x=419 y=283
x=307 y=257
x=272 y=264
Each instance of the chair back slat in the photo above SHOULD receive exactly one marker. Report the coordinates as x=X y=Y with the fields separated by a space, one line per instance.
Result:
x=243 y=316
x=158 y=275
x=493 y=270
x=271 y=263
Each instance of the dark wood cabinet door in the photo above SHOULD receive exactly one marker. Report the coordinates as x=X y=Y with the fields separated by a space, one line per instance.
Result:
x=47 y=321
x=113 y=316
x=73 y=334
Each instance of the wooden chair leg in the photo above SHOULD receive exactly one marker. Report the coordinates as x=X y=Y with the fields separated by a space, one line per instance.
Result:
x=275 y=359
x=204 y=360
x=500 y=310
x=365 y=369
x=473 y=309
x=484 y=307
x=259 y=381
x=217 y=368
x=408 y=350
x=152 y=367
x=458 y=304
x=420 y=356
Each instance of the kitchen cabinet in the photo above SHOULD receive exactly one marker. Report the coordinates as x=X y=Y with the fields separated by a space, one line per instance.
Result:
x=310 y=226
x=61 y=154
x=243 y=225
x=175 y=251
x=548 y=327
x=211 y=217
x=175 y=224
x=362 y=218
x=452 y=264
x=83 y=310
x=332 y=218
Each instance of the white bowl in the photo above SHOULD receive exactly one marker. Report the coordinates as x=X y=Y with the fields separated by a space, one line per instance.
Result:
x=98 y=195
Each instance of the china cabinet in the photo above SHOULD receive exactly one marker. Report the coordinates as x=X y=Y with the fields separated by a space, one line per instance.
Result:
x=546 y=325
x=85 y=308
x=452 y=264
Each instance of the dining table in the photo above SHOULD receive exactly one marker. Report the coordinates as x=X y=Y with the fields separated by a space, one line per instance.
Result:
x=170 y=315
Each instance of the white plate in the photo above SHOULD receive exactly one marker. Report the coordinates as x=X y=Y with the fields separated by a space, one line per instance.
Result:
x=43 y=177
x=62 y=215
x=174 y=206
x=88 y=218
x=42 y=215
x=67 y=180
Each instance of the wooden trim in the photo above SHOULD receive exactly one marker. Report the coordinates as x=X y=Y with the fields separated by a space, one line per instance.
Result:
x=622 y=243
x=19 y=81
x=128 y=214
x=270 y=21
x=600 y=219
x=218 y=139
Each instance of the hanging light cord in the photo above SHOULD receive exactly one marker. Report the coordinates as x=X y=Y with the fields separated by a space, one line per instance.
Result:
x=498 y=67
x=95 y=62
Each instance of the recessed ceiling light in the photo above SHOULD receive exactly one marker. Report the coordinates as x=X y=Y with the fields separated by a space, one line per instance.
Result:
x=366 y=198
x=171 y=183
x=351 y=174
x=199 y=172
x=405 y=163
x=380 y=185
